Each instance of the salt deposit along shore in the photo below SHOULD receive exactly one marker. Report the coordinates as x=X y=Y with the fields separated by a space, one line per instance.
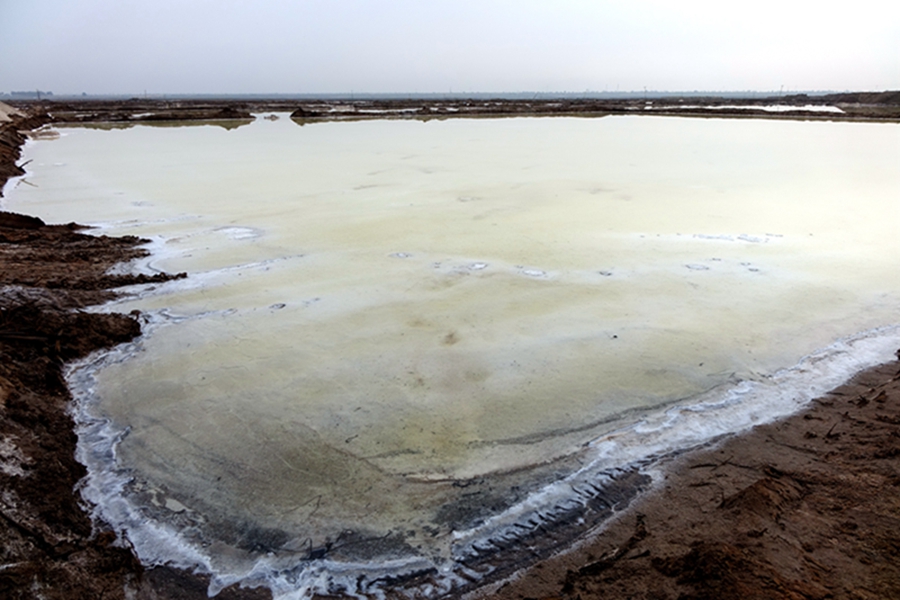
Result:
x=646 y=546
x=806 y=507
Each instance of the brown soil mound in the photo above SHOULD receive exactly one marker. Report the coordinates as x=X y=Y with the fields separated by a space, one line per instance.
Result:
x=49 y=548
x=11 y=140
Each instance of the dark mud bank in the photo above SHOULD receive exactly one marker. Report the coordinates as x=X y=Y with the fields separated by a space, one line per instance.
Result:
x=49 y=546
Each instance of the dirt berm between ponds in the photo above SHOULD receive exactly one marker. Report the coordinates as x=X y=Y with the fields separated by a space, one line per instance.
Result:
x=49 y=548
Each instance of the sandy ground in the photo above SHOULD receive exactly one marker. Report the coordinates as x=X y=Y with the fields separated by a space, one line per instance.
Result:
x=808 y=507
x=7 y=113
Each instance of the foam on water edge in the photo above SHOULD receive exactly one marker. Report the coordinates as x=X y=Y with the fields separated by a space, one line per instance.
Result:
x=618 y=466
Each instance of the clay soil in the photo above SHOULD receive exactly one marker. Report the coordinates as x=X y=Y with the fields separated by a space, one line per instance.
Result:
x=49 y=547
x=805 y=508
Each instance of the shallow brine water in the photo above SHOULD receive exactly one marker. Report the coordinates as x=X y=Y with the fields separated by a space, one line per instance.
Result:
x=402 y=343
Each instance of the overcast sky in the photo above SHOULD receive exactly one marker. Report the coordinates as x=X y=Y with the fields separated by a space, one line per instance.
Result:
x=322 y=46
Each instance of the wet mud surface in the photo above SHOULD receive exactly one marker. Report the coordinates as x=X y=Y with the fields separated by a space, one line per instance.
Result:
x=808 y=507
x=805 y=508
x=49 y=548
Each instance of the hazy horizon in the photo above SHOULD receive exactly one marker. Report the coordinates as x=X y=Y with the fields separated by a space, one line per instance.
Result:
x=505 y=95
x=313 y=47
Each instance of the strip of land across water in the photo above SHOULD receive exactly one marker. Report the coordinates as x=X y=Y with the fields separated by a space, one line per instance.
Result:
x=857 y=106
x=808 y=507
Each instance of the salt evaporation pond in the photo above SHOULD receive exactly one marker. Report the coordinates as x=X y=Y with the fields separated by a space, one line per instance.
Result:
x=402 y=346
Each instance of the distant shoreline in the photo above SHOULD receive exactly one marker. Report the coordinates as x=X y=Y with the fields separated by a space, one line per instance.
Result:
x=852 y=106
x=804 y=507
x=849 y=433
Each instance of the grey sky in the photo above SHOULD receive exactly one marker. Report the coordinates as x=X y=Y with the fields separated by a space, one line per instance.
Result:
x=315 y=46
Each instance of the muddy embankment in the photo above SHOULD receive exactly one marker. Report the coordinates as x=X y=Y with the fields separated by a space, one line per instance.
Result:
x=857 y=106
x=49 y=548
x=807 y=508
x=884 y=106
